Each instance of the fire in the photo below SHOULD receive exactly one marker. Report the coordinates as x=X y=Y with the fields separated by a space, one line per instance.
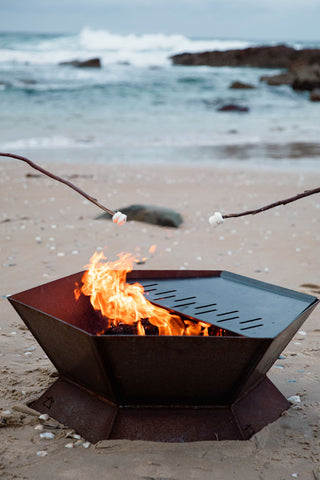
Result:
x=122 y=303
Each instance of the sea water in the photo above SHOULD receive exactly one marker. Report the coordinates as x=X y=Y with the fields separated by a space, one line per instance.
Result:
x=139 y=107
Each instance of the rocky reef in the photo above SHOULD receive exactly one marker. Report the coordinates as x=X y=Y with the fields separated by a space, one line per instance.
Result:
x=301 y=67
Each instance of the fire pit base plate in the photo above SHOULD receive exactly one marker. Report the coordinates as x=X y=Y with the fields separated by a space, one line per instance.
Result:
x=96 y=419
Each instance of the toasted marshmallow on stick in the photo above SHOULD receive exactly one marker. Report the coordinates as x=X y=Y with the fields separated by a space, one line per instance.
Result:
x=119 y=218
x=216 y=219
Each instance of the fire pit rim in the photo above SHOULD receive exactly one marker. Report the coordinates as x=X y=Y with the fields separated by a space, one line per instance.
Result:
x=95 y=335
x=163 y=274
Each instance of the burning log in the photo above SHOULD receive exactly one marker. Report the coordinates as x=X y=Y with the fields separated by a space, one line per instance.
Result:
x=149 y=329
x=125 y=329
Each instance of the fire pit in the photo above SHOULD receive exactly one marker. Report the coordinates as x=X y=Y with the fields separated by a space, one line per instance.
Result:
x=166 y=388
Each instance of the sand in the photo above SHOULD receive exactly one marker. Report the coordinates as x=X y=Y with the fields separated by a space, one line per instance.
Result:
x=49 y=231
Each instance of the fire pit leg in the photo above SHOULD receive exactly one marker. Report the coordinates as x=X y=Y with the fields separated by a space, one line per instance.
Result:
x=89 y=415
x=96 y=419
x=261 y=406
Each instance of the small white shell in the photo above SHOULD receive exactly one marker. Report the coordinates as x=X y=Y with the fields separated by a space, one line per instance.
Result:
x=47 y=435
x=44 y=417
x=39 y=427
x=295 y=399
x=42 y=453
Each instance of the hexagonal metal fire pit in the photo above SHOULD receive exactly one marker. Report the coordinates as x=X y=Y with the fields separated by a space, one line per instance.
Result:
x=166 y=388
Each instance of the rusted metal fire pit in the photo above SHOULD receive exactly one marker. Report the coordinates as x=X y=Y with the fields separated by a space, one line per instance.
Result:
x=166 y=388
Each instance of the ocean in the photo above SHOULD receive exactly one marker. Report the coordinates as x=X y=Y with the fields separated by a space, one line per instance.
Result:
x=140 y=108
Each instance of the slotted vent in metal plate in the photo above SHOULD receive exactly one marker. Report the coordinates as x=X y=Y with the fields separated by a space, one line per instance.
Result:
x=239 y=304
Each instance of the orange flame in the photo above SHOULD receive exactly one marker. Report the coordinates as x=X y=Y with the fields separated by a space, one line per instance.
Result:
x=124 y=303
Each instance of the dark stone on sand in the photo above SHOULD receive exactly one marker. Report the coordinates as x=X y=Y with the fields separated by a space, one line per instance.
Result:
x=315 y=95
x=278 y=56
x=90 y=63
x=241 y=86
x=150 y=214
x=232 y=107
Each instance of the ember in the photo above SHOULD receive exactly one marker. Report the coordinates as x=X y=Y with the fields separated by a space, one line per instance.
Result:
x=125 y=309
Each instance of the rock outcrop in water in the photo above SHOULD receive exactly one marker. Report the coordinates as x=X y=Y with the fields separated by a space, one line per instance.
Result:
x=301 y=76
x=233 y=107
x=315 y=95
x=303 y=66
x=279 y=56
x=241 y=86
x=285 y=78
x=306 y=76
x=91 y=63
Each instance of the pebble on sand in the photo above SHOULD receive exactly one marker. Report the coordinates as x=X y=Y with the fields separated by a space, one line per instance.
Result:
x=44 y=417
x=47 y=435
x=42 y=453
x=294 y=399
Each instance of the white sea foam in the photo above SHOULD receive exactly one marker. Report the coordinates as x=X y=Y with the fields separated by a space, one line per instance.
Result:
x=140 y=50
x=42 y=142
x=148 y=49
x=103 y=40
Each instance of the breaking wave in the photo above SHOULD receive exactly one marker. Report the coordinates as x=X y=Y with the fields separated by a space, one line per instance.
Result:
x=140 y=50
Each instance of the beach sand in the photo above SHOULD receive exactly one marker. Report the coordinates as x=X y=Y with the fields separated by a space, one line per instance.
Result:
x=48 y=231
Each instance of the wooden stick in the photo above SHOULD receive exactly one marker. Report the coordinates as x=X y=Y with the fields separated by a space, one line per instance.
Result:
x=59 y=179
x=306 y=193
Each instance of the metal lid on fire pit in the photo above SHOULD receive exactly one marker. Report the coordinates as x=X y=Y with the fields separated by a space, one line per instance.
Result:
x=234 y=302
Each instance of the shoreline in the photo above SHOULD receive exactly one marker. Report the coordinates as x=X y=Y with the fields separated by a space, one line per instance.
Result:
x=286 y=156
x=49 y=231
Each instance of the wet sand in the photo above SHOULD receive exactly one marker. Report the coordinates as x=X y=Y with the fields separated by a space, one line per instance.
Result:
x=48 y=231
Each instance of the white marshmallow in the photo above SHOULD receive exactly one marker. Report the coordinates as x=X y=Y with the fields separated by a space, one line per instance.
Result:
x=119 y=218
x=122 y=219
x=116 y=216
x=216 y=219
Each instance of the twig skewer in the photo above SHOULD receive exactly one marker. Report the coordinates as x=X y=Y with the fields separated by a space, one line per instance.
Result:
x=59 y=179
x=120 y=218
x=306 y=193
x=218 y=217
